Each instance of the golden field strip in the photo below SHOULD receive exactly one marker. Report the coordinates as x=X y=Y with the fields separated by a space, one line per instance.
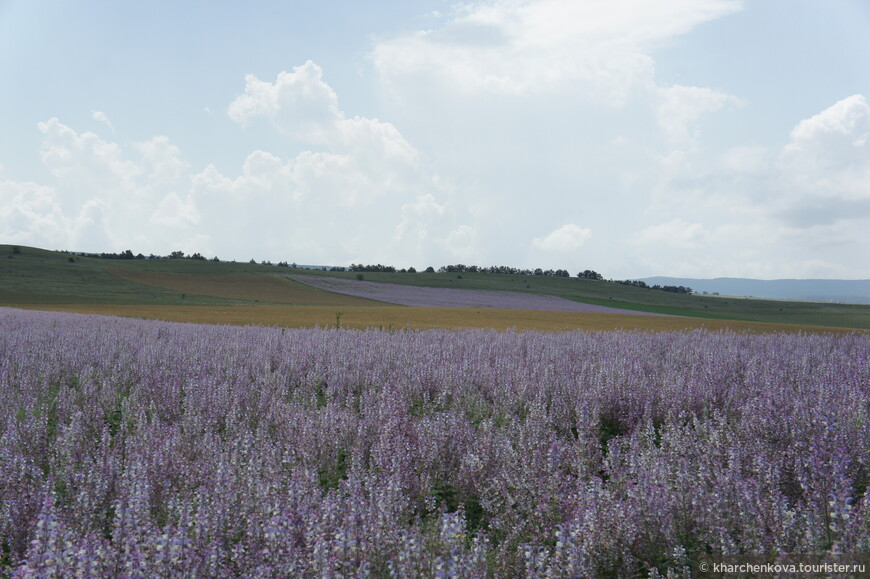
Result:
x=398 y=317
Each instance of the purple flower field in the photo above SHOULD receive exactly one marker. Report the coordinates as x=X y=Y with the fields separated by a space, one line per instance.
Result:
x=430 y=297
x=133 y=448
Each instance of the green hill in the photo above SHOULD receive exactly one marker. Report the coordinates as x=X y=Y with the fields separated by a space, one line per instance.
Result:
x=31 y=276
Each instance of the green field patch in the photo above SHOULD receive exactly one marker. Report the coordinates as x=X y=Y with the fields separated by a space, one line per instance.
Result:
x=264 y=288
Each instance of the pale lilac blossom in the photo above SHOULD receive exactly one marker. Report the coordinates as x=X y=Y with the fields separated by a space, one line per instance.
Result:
x=133 y=448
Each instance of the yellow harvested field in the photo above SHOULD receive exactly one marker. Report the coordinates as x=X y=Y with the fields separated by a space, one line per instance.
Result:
x=398 y=317
x=241 y=286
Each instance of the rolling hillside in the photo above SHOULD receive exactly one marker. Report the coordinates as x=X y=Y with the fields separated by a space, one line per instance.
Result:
x=31 y=277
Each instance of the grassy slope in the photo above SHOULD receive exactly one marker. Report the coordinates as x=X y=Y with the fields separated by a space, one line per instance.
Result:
x=616 y=295
x=35 y=276
x=250 y=287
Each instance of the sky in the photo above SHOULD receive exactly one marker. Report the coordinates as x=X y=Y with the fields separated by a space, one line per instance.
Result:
x=693 y=138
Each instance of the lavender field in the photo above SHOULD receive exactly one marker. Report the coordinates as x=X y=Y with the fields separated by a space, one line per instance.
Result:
x=135 y=448
x=431 y=297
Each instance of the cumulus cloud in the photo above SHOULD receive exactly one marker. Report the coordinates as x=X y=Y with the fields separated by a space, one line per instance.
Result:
x=300 y=103
x=175 y=212
x=101 y=197
x=355 y=164
x=417 y=219
x=357 y=192
x=85 y=163
x=566 y=238
x=518 y=47
x=481 y=182
x=91 y=226
x=331 y=207
x=162 y=162
x=808 y=200
x=845 y=123
x=533 y=103
x=30 y=211
x=327 y=206
x=829 y=153
x=821 y=177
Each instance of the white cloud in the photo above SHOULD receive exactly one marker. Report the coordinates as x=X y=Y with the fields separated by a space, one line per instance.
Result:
x=28 y=212
x=750 y=159
x=102 y=117
x=566 y=238
x=85 y=162
x=329 y=206
x=373 y=140
x=464 y=244
x=299 y=103
x=175 y=212
x=821 y=177
x=798 y=210
x=526 y=46
x=417 y=220
x=359 y=193
x=162 y=162
x=829 y=153
x=302 y=105
x=676 y=233
x=487 y=152
x=91 y=227
x=536 y=108
x=100 y=197
x=680 y=107
x=345 y=203
x=845 y=123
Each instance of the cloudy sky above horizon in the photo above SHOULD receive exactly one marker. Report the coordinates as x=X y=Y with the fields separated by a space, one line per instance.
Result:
x=697 y=138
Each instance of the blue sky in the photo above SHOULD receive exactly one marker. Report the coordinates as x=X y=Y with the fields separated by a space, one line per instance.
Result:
x=695 y=138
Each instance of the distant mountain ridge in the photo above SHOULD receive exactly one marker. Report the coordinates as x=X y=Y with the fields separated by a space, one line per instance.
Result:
x=851 y=291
